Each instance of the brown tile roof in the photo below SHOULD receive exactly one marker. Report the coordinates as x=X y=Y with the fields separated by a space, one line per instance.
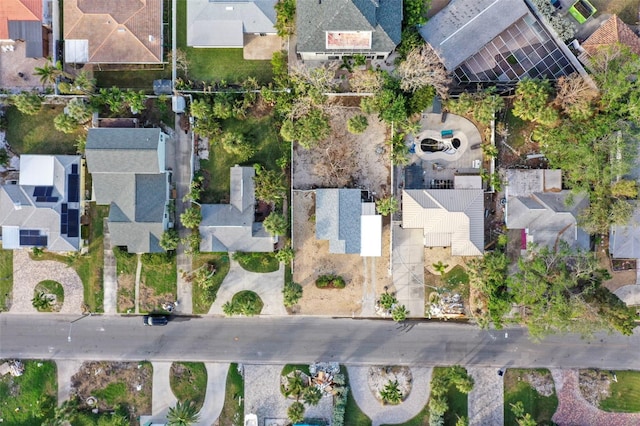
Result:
x=18 y=10
x=118 y=31
x=612 y=31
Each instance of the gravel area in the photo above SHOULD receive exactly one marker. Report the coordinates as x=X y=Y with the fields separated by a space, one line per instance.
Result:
x=388 y=414
x=262 y=395
x=574 y=410
x=486 y=400
x=28 y=273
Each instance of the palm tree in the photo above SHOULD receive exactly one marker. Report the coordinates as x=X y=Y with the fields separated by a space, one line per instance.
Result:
x=312 y=395
x=440 y=267
x=295 y=386
x=42 y=302
x=399 y=313
x=49 y=72
x=183 y=414
x=296 y=412
x=391 y=393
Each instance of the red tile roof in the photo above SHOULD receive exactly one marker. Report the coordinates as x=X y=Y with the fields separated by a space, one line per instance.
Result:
x=612 y=31
x=18 y=10
x=118 y=31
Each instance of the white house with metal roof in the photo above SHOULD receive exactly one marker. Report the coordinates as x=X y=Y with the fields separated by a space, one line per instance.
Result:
x=223 y=23
x=232 y=227
x=448 y=217
x=43 y=208
x=350 y=224
x=129 y=175
x=333 y=29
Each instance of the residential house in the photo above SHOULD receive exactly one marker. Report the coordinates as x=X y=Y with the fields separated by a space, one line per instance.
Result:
x=624 y=240
x=544 y=212
x=349 y=223
x=611 y=32
x=232 y=227
x=333 y=29
x=113 y=32
x=496 y=41
x=22 y=20
x=42 y=209
x=127 y=167
x=224 y=23
x=448 y=217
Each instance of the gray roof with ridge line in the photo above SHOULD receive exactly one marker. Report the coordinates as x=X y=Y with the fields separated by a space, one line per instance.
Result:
x=338 y=214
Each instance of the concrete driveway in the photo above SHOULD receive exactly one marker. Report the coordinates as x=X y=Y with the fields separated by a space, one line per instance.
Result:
x=629 y=294
x=268 y=286
x=408 y=269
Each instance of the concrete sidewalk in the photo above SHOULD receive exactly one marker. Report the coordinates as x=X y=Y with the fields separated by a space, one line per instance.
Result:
x=66 y=370
x=109 y=274
x=268 y=286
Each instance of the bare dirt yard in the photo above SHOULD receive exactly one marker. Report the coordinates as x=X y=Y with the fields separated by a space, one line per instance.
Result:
x=343 y=160
x=103 y=385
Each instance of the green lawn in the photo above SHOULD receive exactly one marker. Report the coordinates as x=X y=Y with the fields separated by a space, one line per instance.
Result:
x=221 y=262
x=132 y=79
x=188 y=382
x=35 y=134
x=126 y=265
x=289 y=368
x=218 y=64
x=233 y=409
x=353 y=414
x=6 y=278
x=159 y=273
x=269 y=147
x=625 y=394
x=540 y=407
x=29 y=399
x=257 y=262
x=89 y=266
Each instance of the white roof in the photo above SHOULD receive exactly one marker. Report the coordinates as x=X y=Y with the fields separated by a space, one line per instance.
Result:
x=371 y=235
x=37 y=170
x=10 y=237
x=76 y=51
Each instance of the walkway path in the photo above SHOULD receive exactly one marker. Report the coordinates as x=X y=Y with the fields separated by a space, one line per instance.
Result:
x=162 y=398
x=137 y=285
x=368 y=287
x=382 y=414
x=573 y=409
x=66 y=370
x=109 y=273
x=28 y=273
x=629 y=294
x=268 y=286
x=182 y=178
x=486 y=400
x=214 y=399
x=263 y=397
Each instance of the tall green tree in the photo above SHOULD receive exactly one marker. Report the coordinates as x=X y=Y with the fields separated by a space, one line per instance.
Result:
x=295 y=412
x=276 y=224
x=285 y=17
x=170 y=240
x=65 y=123
x=29 y=103
x=387 y=205
x=532 y=102
x=270 y=185
x=191 y=217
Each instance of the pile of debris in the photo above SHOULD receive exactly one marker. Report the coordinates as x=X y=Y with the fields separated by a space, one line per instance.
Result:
x=323 y=374
x=595 y=385
x=13 y=367
x=446 y=306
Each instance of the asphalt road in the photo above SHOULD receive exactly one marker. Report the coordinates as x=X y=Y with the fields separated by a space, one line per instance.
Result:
x=304 y=339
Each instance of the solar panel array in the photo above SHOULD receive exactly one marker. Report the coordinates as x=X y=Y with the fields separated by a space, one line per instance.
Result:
x=69 y=221
x=32 y=237
x=42 y=191
x=46 y=199
x=73 y=185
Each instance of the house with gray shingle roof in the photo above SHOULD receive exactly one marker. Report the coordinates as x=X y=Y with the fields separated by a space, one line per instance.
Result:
x=43 y=208
x=546 y=214
x=448 y=217
x=129 y=175
x=624 y=240
x=496 y=41
x=223 y=23
x=232 y=227
x=332 y=29
x=350 y=224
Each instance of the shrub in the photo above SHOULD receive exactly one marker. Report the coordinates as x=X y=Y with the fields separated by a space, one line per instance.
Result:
x=340 y=406
x=245 y=303
x=292 y=292
x=357 y=124
x=391 y=394
x=295 y=413
x=330 y=281
x=387 y=301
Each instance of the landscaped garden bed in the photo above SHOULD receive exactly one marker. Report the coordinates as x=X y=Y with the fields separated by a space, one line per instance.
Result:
x=257 y=262
x=48 y=296
x=209 y=270
x=245 y=303
x=188 y=382
x=330 y=281
x=535 y=389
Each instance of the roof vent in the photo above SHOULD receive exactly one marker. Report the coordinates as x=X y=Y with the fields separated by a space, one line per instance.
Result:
x=229 y=8
x=121 y=30
x=151 y=38
x=17 y=205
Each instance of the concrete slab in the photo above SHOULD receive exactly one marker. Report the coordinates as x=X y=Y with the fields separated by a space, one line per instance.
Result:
x=629 y=294
x=258 y=47
x=408 y=268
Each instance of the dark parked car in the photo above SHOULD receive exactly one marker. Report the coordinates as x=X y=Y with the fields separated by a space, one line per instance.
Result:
x=155 y=320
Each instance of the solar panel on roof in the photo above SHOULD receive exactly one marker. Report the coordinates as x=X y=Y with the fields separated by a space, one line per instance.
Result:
x=49 y=191
x=51 y=199
x=74 y=169
x=39 y=191
x=73 y=221
x=64 y=207
x=73 y=187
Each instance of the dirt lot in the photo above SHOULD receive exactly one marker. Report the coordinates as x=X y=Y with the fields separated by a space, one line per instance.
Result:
x=313 y=259
x=99 y=378
x=342 y=160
